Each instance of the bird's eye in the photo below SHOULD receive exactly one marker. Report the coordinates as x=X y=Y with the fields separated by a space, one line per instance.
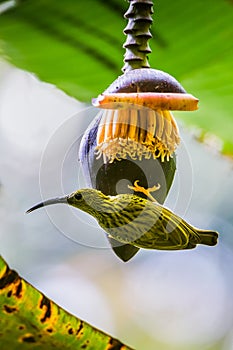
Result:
x=78 y=196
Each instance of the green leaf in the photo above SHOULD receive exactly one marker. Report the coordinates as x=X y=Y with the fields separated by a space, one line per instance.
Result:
x=29 y=320
x=77 y=45
x=65 y=43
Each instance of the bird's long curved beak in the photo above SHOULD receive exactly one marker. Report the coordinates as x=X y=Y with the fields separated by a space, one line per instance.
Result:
x=48 y=202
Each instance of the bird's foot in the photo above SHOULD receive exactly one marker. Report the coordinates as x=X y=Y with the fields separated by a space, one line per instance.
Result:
x=147 y=191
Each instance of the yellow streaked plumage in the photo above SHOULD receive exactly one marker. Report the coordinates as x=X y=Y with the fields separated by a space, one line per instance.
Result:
x=133 y=220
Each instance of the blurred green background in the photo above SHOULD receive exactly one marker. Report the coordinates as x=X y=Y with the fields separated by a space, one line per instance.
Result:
x=159 y=300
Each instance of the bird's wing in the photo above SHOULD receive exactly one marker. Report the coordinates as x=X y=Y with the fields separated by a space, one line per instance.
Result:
x=168 y=230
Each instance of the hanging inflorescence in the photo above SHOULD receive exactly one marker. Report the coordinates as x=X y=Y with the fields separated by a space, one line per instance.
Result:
x=142 y=125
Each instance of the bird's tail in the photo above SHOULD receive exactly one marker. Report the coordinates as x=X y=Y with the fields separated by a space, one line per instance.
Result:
x=208 y=237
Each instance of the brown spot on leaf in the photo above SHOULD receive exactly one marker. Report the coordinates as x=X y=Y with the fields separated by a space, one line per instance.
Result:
x=8 y=278
x=70 y=331
x=45 y=304
x=85 y=345
x=49 y=330
x=18 y=291
x=9 y=309
x=28 y=338
x=115 y=344
x=80 y=329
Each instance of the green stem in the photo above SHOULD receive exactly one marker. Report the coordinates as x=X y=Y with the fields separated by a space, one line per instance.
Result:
x=138 y=34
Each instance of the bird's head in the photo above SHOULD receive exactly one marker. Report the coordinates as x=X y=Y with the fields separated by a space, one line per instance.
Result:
x=88 y=200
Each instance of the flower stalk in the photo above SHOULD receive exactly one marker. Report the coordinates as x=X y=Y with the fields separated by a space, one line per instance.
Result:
x=139 y=17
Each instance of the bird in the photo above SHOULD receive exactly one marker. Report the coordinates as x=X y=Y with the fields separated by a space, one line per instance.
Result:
x=141 y=222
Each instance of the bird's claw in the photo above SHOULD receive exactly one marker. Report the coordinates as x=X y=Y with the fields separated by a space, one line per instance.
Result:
x=147 y=191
